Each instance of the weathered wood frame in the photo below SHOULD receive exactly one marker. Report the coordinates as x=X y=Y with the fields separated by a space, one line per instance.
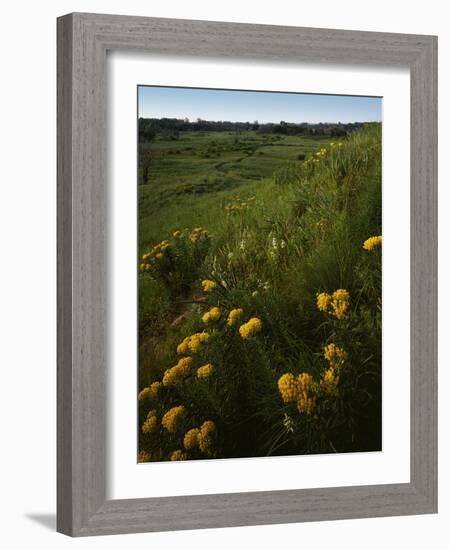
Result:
x=83 y=40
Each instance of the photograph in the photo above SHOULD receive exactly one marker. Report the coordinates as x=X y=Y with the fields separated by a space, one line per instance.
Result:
x=259 y=268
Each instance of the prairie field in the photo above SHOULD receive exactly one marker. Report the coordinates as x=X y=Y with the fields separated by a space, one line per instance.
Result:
x=259 y=294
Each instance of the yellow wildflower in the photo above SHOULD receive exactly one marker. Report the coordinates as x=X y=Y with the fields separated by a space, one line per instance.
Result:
x=372 y=243
x=150 y=392
x=184 y=363
x=176 y=374
x=306 y=393
x=337 y=304
x=144 y=456
x=154 y=389
x=334 y=355
x=197 y=233
x=191 y=438
x=173 y=418
x=192 y=343
x=340 y=303
x=288 y=387
x=205 y=437
x=183 y=346
x=205 y=371
x=150 y=423
x=234 y=315
x=177 y=233
x=306 y=404
x=159 y=255
x=250 y=328
x=143 y=394
x=323 y=301
x=208 y=285
x=195 y=342
x=329 y=381
x=178 y=455
x=212 y=315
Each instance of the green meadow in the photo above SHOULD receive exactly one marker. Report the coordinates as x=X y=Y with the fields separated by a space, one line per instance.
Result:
x=188 y=176
x=259 y=294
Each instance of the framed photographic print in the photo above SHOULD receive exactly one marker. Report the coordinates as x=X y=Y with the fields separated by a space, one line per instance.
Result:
x=246 y=274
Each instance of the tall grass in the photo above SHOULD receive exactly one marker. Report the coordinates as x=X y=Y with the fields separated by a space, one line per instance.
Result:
x=269 y=249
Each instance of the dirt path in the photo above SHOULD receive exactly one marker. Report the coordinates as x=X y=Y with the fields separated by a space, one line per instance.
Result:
x=219 y=166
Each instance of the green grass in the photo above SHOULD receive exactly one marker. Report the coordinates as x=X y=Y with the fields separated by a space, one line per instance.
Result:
x=183 y=183
x=300 y=233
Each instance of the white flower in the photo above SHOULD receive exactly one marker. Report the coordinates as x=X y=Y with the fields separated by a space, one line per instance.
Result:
x=283 y=244
x=289 y=423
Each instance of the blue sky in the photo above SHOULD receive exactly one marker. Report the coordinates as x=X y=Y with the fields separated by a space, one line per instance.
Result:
x=159 y=102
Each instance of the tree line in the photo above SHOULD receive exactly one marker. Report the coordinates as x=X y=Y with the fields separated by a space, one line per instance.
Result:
x=170 y=128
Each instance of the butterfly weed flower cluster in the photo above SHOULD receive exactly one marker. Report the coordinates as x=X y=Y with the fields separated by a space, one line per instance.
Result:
x=175 y=261
x=336 y=304
x=205 y=372
x=249 y=329
x=299 y=389
x=150 y=423
x=234 y=316
x=192 y=343
x=144 y=456
x=178 y=455
x=372 y=242
x=208 y=285
x=212 y=315
x=198 y=233
x=173 y=418
x=329 y=381
x=150 y=392
x=238 y=205
x=305 y=391
x=201 y=438
x=335 y=355
x=178 y=373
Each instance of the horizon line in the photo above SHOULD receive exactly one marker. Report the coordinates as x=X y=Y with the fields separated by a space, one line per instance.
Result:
x=261 y=122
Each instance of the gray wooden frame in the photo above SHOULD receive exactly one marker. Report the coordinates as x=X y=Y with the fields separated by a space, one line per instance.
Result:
x=83 y=40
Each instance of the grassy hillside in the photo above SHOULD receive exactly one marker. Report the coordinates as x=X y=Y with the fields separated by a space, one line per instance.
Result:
x=208 y=166
x=255 y=246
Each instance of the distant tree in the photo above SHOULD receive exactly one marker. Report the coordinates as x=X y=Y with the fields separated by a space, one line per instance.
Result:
x=146 y=131
x=144 y=165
